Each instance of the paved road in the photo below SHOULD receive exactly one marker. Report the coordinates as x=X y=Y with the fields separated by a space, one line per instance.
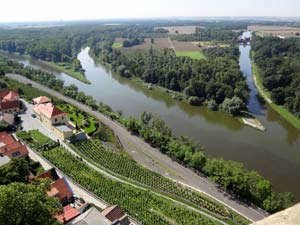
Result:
x=30 y=123
x=151 y=158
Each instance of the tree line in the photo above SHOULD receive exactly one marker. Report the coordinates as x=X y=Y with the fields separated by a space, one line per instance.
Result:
x=279 y=66
x=209 y=34
x=217 y=83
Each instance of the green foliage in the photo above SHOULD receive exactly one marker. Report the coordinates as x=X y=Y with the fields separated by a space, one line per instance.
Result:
x=215 y=79
x=191 y=54
x=15 y=171
x=121 y=164
x=278 y=62
x=27 y=204
x=233 y=106
x=138 y=203
x=208 y=34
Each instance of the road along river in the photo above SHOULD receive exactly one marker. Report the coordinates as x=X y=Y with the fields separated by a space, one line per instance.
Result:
x=275 y=153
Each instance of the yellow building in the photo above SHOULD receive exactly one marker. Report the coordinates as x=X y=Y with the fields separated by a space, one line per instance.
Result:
x=55 y=119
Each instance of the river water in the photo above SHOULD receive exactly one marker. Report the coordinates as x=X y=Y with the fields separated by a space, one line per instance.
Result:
x=274 y=153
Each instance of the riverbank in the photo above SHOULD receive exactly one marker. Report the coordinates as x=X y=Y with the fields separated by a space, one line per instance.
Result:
x=52 y=65
x=134 y=145
x=71 y=72
x=267 y=97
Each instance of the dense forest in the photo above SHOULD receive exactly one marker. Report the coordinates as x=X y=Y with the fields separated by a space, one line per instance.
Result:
x=209 y=34
x=230 y=175
x=279 y=64
x=216 y=83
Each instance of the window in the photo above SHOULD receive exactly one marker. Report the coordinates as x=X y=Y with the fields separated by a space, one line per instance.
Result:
x=16 y=154
x=55 y=120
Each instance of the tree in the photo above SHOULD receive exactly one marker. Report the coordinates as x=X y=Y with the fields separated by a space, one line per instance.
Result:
x=233 y=106
x=14 y=171
x=27 y=204
x=146 y=117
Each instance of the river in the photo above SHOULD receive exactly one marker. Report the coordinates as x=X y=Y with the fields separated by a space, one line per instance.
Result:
x=275 y=153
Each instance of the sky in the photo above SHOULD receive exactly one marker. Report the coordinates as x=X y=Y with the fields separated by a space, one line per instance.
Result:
x=49 y=10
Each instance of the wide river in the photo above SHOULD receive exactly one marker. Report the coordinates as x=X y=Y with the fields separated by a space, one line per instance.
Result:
x=275 y=153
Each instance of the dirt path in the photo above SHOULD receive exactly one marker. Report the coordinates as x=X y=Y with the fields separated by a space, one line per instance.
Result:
x=261 y=91
x=153 y=159
x=171 y=43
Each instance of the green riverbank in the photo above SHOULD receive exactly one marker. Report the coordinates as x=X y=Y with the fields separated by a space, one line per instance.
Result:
x=69 y=71
x=267 y=97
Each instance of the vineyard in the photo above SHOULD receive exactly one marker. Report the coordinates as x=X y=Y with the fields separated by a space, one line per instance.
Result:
x=138 y=203
x=121 y=164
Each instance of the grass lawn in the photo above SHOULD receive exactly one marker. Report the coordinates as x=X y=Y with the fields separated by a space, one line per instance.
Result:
x=193 y=55
x=117 y=45
x=67 y=70
x=278 y=108
x=79 y=117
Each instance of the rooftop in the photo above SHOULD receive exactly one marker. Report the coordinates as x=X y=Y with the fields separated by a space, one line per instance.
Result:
x=64 y=190
x=9 y=95
x=7 y=118
x=90 y=217
x=10 y=147
x=113 y=213
x=63 y=128
x=49 y=110
x=68 y=214
x=41 y=100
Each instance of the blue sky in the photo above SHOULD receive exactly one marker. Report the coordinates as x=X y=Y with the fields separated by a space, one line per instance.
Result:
x=41 y=10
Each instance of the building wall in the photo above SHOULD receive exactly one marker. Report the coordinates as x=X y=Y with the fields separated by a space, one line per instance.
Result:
x=12 y=110
x=62 y=135
x=59 y=120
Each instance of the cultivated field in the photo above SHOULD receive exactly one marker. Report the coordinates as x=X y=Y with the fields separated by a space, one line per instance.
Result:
x=185 y=46
x=283 y=31
x=180 y=29
x=191 y=54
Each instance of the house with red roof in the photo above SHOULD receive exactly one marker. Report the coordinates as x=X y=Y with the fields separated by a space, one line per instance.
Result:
x=41 y=100
x=69 y=213
x=116 y=215
x=61 y=189
x=10 y=147
x=9 y=101
x=54 y=118
x=51 y=174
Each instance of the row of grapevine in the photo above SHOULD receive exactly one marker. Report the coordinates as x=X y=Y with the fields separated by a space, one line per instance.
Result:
x=138 y=203
x=121 y=164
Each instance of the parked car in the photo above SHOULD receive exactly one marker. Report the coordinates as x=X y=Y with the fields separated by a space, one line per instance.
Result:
x=33 y=115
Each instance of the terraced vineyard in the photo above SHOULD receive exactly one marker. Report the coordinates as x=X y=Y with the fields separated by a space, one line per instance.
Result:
x=140 y=204
x=121 y=164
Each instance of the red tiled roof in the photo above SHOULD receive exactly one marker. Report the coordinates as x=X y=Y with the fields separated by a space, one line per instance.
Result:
x=9 y=105
x=51 y=174
x=113 y=213
x=9 y=94
x=6 y=138
x=68 y=214
x=11 y=147
x=63 y=189
x=49 y=110
x=12 y=95
x=41 y=100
